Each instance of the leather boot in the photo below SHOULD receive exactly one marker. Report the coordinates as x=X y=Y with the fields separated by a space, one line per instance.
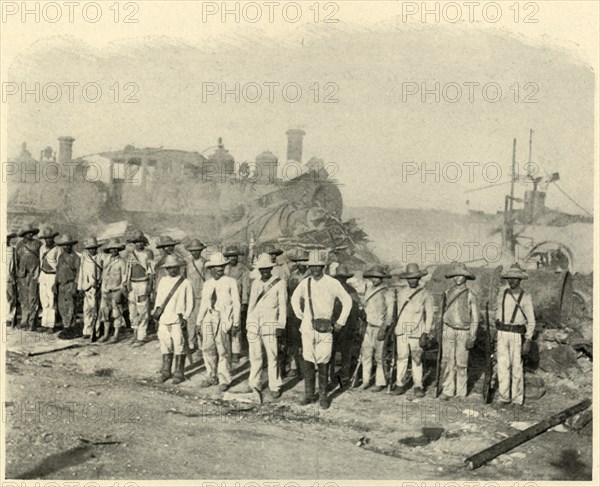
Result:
x=105 y=332
x=309 y=383
x=115 y=337
x=165 y=372
x=323 y=373
x=178 y=376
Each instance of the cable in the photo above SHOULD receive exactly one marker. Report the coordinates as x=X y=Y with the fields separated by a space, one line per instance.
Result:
x=571 y=199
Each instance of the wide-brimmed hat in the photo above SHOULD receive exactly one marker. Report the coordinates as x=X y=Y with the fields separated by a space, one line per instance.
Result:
x=195 y=244
x=514 y=272
x=138 y=237
x=343 y=271
x=376 y=271
x=171 y=261
x=166 y=241
x=297 y=255
x=47 y=232
x=91 y=243
x=460 y=269
x=264 y=262
x=271 y=249
x=114 y=243
x=12 y=235
x=412 y=272
x=216 y=260
x=232 y=251
x=28 y=228
x=66 y=239
x=317 y=257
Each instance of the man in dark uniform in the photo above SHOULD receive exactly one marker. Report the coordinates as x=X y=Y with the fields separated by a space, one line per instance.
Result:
x=67 y=272
x=28 y=270
x=11 y=280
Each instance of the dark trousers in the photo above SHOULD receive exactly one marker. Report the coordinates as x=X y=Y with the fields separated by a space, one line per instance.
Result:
x=293 y=343
x=66 y=303
x=29 y=300
x=342 y=343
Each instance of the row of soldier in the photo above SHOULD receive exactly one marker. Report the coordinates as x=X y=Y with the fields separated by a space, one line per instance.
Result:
x=221 y=307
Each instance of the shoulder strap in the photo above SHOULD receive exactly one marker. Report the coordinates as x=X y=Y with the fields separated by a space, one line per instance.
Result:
x=408 y=301
x=517 y=307
x=267 y=289
x=172 y=291
x=312 y=312
x=198 y=270
x=374 y=293
x=458 y=295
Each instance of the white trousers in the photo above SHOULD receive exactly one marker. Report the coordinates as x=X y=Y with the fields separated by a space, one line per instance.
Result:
x=47 y=299
x=260 y=337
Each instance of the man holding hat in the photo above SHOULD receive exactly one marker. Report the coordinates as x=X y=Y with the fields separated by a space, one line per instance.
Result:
x=241 y=274
x=415 y=317
x=195 y=273
x=88 y=282
x=67 y=271
x=219 y=316
x=173 y=307
x=313 y=302
x=114 y=285
x=515 y=318
x=49 y=254
x=461 y=319
x=27 y=253
x=293 y=338
x=266 y=323
x=379 y=307
x=140 y=273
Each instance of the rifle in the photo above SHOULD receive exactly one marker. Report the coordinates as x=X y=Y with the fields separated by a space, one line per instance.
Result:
x=489 y=360
x=440 y=337
x=393 y=335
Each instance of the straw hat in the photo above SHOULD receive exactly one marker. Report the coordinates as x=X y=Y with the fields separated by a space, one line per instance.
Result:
x=264 y=262
x=114 y=243
x=138 y=237
x=297 y=255
x=170 y=262
x=343 y=271
x=47 y=232
x=216 y=260
x=412 y=272
x=66 y=239
x=166 y=242
x=376 y=271
x=460 y=269
x=317 y=257
x=91 y=243
x=232 y=251
x=514 y=272
x=28 y=228
x=195 y=244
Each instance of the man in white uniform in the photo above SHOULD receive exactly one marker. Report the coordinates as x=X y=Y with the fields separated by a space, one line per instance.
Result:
x=49 y=254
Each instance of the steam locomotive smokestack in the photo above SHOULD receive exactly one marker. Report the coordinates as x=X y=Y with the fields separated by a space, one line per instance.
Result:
x=65 y=149
x=294 y=148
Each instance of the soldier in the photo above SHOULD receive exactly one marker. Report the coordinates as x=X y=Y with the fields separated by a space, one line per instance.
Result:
x=379 y=307
x=49 y=254
x=241 y=274
x=11 y=280
x=140 y=273
x=27 y=253
x=67 y=272
x=515 y=318
x=266 y=322
x=461 y=318
x=114 y=286
x=196 y=275
x=167 y=245
x=343 y=340
x=174 y=304
x=318 y=292
x=293 y=337
x=415 y=317
x=280 y=270
x=88 y=282
x=219 y=316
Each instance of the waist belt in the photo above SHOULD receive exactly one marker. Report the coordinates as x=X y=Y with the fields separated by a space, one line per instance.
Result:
x=112 y=290
x=141 y=279
x=48 y=272
x=454 y=327
x=373 y=326
x=511 y=328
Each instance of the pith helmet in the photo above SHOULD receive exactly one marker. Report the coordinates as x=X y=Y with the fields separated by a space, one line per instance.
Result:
x=343 y=271
x=216 y=260
x=264 y=262
x=460 y=269
x=171 y=261
x=514 y=272
x=28 y=228
x=66 y=239
x=232 y=251
x=138 y=237
x=195 y=244
x=376 y=271
x=412 y=272
x=114 y=243
x=271 y=249
x=166 y=242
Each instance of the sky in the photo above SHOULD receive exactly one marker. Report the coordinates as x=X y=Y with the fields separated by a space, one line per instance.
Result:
x=361 y=101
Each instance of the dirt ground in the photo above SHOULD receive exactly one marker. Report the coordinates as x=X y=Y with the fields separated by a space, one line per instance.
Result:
x=99 y=412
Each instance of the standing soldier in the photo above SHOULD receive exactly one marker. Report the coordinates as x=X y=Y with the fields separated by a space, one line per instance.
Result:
x=67 y=272
x=343 y=340
x=293 y=337
x=140 y=272
x=514 y=319
x=49 y=254
x=114 y=283
x=461 y=318
x=219 y=316
x=241 y=274
x=266 y=322
x=415 y=317
x=195 y=273
x=379 y=308
x=174 y=304
x=167 y=245
x=27 y=254
x=280 y=270
x=88 y=282
x=11 y=280
x=318 y=292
